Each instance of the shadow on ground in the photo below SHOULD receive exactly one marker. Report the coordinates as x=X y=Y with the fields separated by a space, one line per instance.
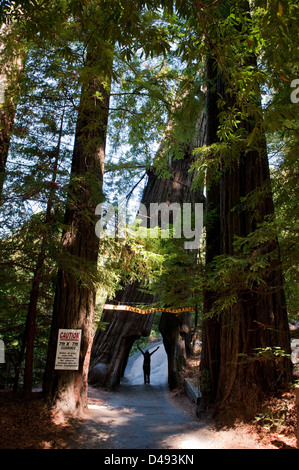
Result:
x=138 y=416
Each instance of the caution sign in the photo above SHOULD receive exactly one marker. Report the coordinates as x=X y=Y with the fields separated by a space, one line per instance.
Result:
x=144 y=311
x=68 y=349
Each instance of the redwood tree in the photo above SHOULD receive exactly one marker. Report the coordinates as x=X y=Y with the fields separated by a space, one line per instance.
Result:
x=12 y=54
x=101 y=30
x=246 y=342
x=74 y=301
x=112 y=346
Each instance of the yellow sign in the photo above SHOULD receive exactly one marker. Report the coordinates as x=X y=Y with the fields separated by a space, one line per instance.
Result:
x=144 y=311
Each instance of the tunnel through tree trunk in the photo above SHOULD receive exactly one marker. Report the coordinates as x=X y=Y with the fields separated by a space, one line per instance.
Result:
x=111 y=347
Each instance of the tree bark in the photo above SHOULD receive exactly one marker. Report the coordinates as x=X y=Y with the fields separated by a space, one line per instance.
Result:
x=7 y=113
x=210 y=354
x=176 y=332
x=111 y=348
x=10 y=85
x=75 y=288
x=259 y=319
x=234 y=379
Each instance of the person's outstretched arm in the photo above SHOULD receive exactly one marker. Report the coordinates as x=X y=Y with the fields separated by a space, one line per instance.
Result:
x=154 y=350
x=140 y=349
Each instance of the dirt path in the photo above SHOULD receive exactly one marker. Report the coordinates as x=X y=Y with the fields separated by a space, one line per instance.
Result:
x=137 y=416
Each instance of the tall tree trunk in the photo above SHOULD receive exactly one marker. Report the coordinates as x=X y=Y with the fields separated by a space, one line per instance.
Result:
x=259 y=319
x=7 y=113
x=75 y=289
x=210 y=354
x=176 y=332
x=239 y=378
x=111 y=348
x=10 y=80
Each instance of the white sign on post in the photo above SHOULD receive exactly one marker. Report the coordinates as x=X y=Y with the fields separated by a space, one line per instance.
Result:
x=68 y=349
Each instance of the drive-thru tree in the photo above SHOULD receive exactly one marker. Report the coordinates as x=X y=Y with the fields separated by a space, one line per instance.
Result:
x=112 y=346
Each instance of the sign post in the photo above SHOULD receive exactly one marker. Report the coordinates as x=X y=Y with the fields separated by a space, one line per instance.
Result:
x=68 y=349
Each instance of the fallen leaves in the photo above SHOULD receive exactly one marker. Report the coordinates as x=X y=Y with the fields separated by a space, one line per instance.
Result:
x=31 y=425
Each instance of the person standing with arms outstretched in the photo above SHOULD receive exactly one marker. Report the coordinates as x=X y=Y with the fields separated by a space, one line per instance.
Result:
x=147 y=363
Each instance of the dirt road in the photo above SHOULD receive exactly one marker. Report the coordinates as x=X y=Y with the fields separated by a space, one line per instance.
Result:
x=138 y=416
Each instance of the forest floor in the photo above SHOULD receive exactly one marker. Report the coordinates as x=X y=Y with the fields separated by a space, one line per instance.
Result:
x=33 y=425
x=274 y=428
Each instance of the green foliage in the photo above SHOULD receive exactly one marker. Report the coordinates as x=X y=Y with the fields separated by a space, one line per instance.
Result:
x=178 y=276
x=252 y=263
x=257 y=53
x=124 y=261
x=285 y=181
x=19 y=253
